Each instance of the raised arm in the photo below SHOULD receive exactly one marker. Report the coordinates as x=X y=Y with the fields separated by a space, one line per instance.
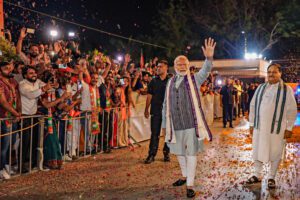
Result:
x=107 y=68
x=208 y=51
x=20 y=41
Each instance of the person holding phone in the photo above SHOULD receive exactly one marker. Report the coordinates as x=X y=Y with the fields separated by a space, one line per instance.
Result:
x=34 y=55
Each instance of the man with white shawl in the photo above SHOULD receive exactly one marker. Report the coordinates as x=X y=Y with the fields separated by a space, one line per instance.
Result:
x=273 y=112
x=183 y=119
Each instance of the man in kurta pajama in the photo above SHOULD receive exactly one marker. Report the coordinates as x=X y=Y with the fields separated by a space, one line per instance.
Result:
x=183 y=118
x=272 y=116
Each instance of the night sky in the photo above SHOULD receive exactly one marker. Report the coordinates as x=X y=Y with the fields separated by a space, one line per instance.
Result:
x=129 y=18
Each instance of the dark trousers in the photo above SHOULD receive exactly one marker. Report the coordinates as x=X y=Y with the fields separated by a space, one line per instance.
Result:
x=27 y=139
x=106 y=121
x=244 y=108
x=5 y=143
x=62 y=131
x=155 y=134
x=227 y=113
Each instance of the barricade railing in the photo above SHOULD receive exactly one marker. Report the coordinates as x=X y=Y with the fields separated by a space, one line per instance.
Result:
x=22 y=145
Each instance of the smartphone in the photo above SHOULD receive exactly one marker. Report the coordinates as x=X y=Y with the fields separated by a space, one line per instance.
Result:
x=79 y=85
x=30 y=30
x=122 y=81
x=62 y=66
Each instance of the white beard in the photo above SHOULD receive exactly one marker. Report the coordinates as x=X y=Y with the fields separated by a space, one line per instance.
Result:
x=181 y=73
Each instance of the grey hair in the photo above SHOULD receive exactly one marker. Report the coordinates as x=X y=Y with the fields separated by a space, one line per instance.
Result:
x=181 y=57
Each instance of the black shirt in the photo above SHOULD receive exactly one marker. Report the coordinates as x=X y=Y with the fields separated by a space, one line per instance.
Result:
x=227 y=93
x=102 y=93
x=157 y=88
x=251 y=94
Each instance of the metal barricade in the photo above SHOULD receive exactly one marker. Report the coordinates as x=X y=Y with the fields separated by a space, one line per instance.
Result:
x=21 y=145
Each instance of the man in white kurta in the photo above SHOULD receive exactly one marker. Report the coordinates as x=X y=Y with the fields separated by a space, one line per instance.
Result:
x=183 y=120
x=273 y=112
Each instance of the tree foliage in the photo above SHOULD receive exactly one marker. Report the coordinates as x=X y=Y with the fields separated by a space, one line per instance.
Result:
x=263 y=22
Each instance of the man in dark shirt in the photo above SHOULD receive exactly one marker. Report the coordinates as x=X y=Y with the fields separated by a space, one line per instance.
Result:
x=155 y=97
x=227 y=94
x=251 y=91
x=106 y=118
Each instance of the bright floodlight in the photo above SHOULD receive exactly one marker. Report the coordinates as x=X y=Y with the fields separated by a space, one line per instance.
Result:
x=119 y=58
x=252 y=56
x=219 y=82
x=53 y=33
x=243 y=32
x=71 y=34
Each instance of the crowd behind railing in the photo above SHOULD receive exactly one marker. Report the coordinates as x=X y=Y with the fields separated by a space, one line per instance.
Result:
x=84 y=101
x=57 y=103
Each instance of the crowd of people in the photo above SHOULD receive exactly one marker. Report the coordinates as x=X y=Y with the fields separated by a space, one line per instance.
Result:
x=87 y=96
x=79 y=104
x=86 y=100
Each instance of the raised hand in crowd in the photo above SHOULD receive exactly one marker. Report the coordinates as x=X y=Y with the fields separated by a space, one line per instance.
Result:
x=57 y=47
x=23 y=33
x=20 y=41
x=127 y=58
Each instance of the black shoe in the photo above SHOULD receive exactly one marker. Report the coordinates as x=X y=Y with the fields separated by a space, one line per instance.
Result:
x=24 y=170
x=107 y=150
x=231 y=126
x=224 y=126
x=190 y=193
x=75 y=158
x=94 y=152
x=166 y=158
x=179 y=182
x=149 y=160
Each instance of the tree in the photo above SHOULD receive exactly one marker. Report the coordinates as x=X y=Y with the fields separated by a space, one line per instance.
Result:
x=264 y=23
x=172 y=28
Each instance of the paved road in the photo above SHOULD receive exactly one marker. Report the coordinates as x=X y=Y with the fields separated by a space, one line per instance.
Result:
x=122 y=174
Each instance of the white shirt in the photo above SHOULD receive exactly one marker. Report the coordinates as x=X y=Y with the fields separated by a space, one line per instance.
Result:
x=100 y=80
x=86 y=97
x=30 y=93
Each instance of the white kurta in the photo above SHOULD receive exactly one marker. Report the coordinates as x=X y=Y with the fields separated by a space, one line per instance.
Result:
x=218 y=112
x=268 y=146
x=207 y=102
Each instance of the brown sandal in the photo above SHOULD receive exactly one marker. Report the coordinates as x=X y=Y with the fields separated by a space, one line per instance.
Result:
x=253 y=180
